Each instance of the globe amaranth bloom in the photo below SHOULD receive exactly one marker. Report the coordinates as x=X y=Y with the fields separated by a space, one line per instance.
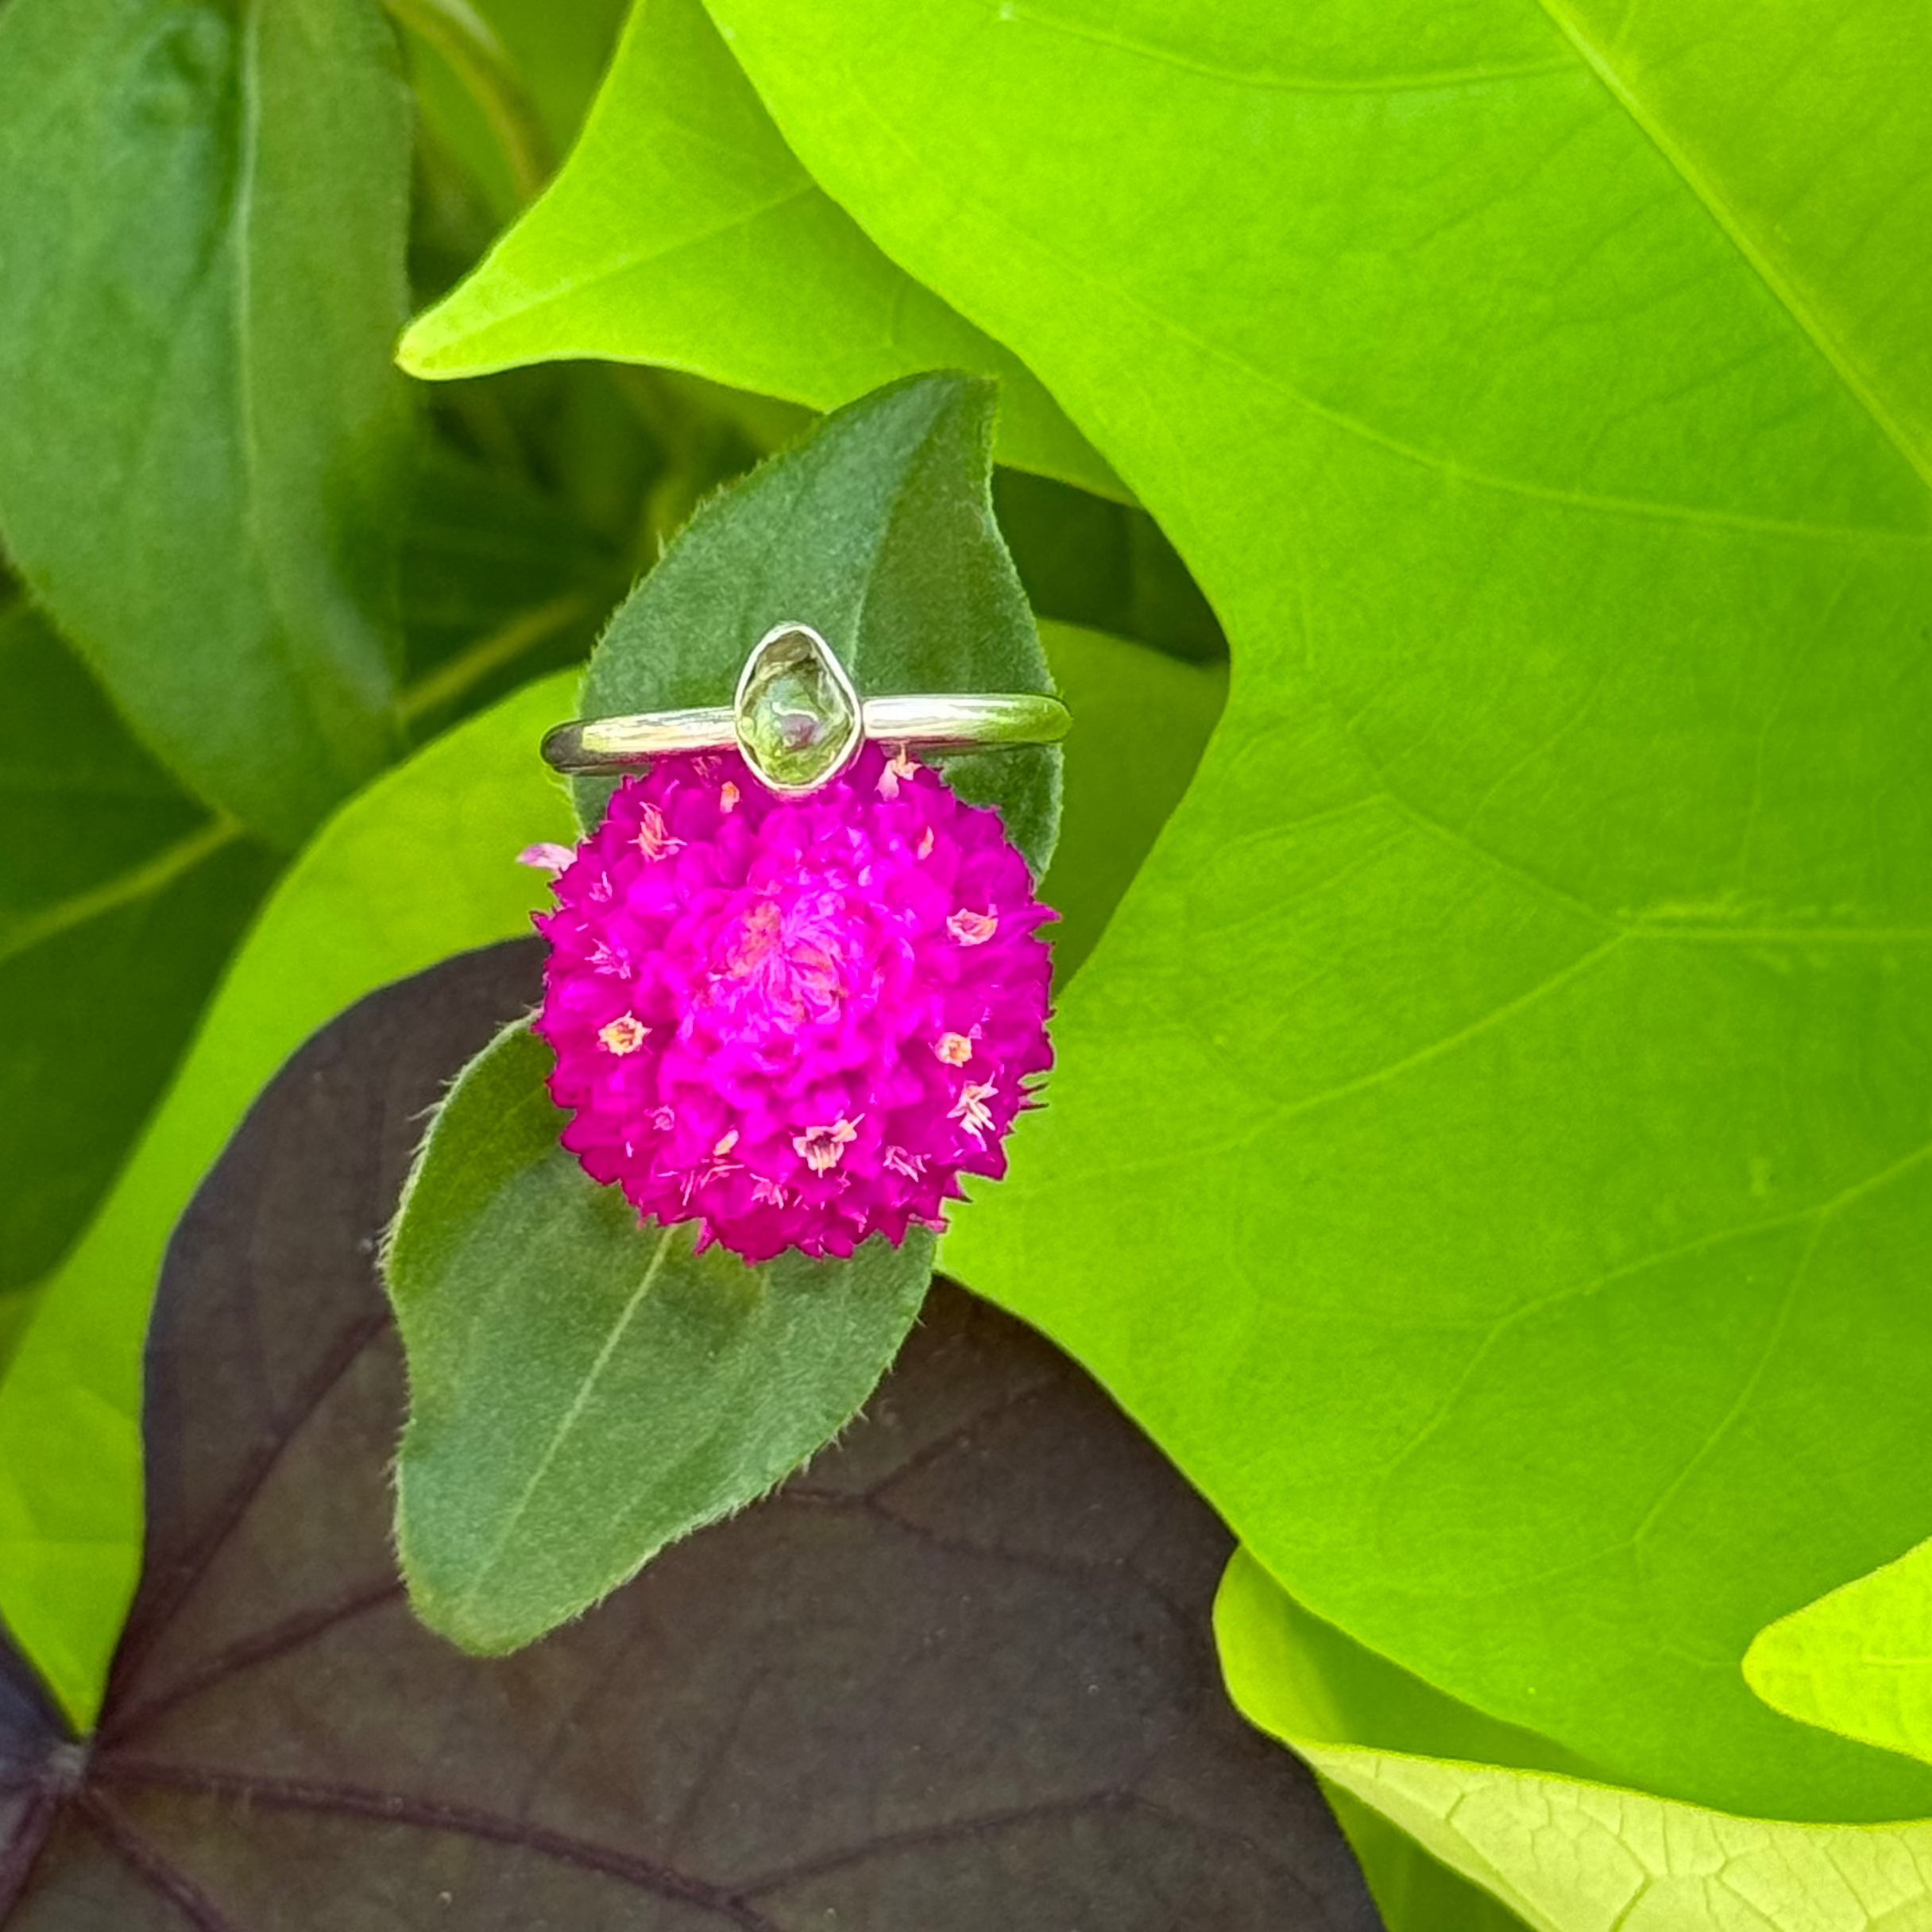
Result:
x=796 y=1021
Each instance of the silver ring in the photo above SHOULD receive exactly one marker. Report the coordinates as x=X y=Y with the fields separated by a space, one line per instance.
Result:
x=800 y=721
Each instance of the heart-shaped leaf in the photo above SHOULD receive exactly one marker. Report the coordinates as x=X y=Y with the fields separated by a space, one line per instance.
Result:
x=682 y=232
x=204 y=444
x=959 y=1676
x=586 y=1389
x=1514 y=1058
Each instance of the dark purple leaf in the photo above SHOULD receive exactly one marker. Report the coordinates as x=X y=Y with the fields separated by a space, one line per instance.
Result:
x=956 y=1676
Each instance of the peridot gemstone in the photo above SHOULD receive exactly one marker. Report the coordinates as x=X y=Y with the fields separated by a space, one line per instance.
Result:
x=797 y=716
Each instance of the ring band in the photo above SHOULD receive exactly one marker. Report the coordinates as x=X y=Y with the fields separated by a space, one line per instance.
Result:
x=800 y=721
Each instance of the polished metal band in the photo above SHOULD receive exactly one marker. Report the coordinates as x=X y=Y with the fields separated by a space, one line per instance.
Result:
x=949 y=721
x=834 y=723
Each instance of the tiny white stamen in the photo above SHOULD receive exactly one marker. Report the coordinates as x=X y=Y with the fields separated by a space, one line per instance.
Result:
x=547 y=858
x=954 y=1049
x=972 y=928
x=898 y=768
x=728 y=795
x=971 y=1110
x=821 y=1148
x=624 y=1034
x=653 y=838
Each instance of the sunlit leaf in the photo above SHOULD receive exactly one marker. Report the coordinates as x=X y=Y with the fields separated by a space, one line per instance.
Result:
x=1489 y=1149
x=1563 y=1854
x=682 y=232
x=1858 y=1661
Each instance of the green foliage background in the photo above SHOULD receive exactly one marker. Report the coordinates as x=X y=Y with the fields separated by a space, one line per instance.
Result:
x=1489 y=1152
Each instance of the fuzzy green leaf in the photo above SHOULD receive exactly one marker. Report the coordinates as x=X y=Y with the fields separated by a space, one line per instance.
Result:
x=582 y=1390
x=682 y=232
x=1858 y=1661
x=877 y=530
x=1489 y=1146
x=203 y=445
x=1563 y=1854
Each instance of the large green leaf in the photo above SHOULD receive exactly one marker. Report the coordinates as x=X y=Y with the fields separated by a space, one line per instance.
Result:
x=682 y=231
x=1859 y=1660
x=1565 y=1854
x=1490 y=1147
x=420 y=865
x=203 y=446
x=120 y=897
x=583 y=1390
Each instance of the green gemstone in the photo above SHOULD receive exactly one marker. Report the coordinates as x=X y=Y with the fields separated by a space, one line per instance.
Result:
x=797 y=716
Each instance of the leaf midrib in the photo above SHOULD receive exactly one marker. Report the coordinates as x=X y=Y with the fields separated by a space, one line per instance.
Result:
x=146 y=881
x=1714 y=204
x=1451 y=468
x=513 y=1516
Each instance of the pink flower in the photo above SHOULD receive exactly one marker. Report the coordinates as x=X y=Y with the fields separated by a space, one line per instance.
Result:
x=796 y=1021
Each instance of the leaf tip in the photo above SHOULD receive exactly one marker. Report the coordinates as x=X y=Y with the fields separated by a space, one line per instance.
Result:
x=429 y=349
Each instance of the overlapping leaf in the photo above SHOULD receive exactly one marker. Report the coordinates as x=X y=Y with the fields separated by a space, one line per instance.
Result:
x=1563 y=1854
x=961 y=1675
x=583 y=1391
x=877 y=530
x=204 y=446
x=1515 y=1061
x=420 y=865
x=1858 y=1661
x=682 y=232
